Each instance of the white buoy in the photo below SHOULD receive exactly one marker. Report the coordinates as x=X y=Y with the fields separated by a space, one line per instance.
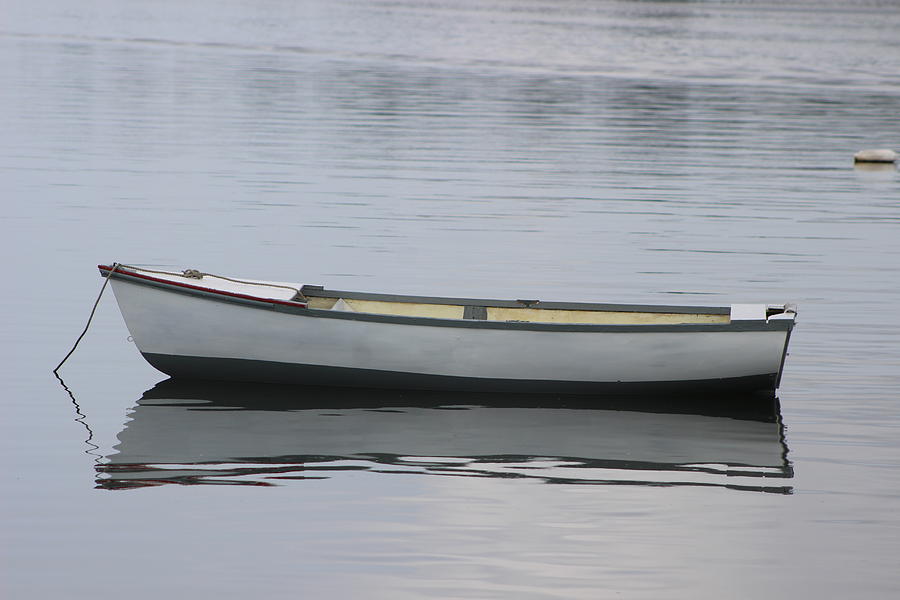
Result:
x=882 y=155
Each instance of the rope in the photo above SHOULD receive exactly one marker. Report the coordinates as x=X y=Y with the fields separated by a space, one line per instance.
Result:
x=90 y=318
x=82 y=418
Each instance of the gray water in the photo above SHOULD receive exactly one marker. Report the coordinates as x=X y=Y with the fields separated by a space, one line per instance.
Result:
x=620 y=151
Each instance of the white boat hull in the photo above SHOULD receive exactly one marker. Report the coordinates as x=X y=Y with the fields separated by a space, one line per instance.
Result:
x=187 y=333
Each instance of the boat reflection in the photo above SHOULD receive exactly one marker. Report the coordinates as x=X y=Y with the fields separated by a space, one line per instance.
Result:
x=207 y=433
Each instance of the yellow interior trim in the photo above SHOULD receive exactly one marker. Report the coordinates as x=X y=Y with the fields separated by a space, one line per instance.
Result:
x=407 y=309
x=403 y=309
x=530 y=315
x=323 y=303
x=597 y=317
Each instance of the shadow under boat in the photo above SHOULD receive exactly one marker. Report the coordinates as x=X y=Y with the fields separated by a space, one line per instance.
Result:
x=194 y=432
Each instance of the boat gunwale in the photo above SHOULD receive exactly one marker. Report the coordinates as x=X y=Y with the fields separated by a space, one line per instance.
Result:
x=302 y=309
x=321 y=292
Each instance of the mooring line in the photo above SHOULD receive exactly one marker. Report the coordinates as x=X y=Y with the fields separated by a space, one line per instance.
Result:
x=82 y=418
x=90 y=318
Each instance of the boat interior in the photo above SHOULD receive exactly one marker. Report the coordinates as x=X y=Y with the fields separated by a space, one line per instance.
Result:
x=528 y=311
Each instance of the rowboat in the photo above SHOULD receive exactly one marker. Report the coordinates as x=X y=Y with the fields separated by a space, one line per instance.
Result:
x=195 y=325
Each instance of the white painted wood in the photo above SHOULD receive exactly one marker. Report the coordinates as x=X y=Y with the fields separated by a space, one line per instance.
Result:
x=748 y=312
x=342 y=306
x=170 y=323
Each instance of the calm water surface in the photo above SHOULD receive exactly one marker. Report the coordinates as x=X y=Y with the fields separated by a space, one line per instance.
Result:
x=658 y=152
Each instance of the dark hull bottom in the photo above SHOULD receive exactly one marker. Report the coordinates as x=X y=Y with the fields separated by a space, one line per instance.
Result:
x=233 y=369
